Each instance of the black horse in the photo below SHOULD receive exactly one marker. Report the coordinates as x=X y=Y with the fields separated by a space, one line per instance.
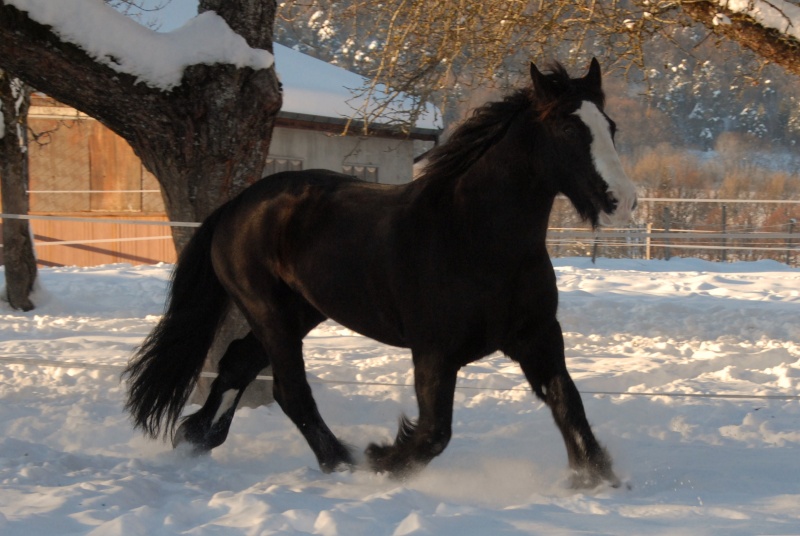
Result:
x=452 y=266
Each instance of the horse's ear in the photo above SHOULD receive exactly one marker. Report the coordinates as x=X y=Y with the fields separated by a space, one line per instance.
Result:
x=594 y=77
x=541 y=85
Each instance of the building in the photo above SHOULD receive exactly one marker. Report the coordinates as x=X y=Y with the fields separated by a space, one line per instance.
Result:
x=79 y=168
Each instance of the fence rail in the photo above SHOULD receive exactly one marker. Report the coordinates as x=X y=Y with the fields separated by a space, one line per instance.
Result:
x=783 y=246
x=97 y=220
x=643 y=242
x=712 y=229
x=90 y=241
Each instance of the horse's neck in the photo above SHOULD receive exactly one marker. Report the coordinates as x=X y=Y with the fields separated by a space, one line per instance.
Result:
x=489 y=198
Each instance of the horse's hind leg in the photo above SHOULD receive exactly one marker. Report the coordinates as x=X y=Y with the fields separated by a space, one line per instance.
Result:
x=208 y=428
x=293 y=394
x=417 y=444
x=542 y=361
x=281 y=318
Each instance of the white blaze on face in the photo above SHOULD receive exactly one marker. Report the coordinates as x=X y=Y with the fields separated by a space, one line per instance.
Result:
x=607 y=164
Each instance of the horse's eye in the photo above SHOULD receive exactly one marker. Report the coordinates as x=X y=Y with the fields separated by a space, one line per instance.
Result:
x=570 y=131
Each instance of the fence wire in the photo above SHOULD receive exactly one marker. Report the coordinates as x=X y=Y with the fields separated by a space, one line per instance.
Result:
x=7 y=361
x=636 y=239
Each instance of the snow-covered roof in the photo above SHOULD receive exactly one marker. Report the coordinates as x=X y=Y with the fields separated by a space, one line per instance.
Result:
x=317 y=88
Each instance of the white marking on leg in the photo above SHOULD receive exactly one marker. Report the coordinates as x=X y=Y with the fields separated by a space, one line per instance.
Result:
x=579 y=441
x=607 y=164
x=228 y=400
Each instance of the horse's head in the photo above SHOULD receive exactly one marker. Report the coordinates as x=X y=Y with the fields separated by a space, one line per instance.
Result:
x=582 y=152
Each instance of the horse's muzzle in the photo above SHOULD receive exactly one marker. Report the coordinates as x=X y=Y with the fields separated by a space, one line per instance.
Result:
x=622 y=213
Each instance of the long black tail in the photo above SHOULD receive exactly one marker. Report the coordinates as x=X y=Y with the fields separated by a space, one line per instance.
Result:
x=164 y=370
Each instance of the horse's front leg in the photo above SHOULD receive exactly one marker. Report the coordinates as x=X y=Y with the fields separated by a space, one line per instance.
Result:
x=418 y=443
x=542 y=361
x=208 y=428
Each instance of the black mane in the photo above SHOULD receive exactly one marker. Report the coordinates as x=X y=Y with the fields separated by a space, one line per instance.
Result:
x=487 y=124
x=475 y=136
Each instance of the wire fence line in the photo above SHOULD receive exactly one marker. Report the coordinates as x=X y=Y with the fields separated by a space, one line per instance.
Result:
x=99 y=241
x=98 y=220
x=649 y=243
x=41 y=192
x=634 y=242
x=635 y=239
x=725 y=201
x=662 y=238
x=38 y=362
x=641 y=199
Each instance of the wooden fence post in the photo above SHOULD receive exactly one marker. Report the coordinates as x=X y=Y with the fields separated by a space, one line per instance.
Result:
x=724 y=231
x=667 y=222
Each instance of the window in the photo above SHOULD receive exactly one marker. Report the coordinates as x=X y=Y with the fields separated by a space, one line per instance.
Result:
x=276 y=164
x=366 y=173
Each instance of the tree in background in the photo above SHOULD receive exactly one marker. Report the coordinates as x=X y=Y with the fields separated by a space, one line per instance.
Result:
x=205 y=139
x=19 y=260
x=442 y=50
x=771 y=29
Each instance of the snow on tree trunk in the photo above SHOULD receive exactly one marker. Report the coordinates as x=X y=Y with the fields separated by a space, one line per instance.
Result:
x=18 y=256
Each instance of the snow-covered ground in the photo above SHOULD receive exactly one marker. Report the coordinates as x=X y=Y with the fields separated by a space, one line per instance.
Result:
x=71 y=464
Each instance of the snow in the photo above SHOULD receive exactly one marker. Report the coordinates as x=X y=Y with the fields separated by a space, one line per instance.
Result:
x=781 y=15
x=720 y=19
x=71 y=464
x=156 y=59
x=18 y=94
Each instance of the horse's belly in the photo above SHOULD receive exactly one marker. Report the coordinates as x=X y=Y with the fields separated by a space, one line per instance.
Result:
x=367 y=311
x=370 y=323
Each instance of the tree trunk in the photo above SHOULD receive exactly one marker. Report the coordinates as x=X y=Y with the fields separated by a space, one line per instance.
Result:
x=18 y=257
x=205 y=140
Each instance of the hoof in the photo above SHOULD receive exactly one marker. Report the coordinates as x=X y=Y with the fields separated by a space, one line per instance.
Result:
x=340 y=460
x=341 y=467
x=385 y=459
x=586 y=479
x=185 y=439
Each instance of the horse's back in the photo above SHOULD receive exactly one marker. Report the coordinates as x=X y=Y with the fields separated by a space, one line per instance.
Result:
x=327 y=236
x=297 y=182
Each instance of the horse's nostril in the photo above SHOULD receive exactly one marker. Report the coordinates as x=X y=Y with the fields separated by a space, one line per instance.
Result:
x=635 y=204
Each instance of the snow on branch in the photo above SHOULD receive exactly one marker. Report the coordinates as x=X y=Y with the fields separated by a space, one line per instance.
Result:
x=780 y=15
x=155 y=59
